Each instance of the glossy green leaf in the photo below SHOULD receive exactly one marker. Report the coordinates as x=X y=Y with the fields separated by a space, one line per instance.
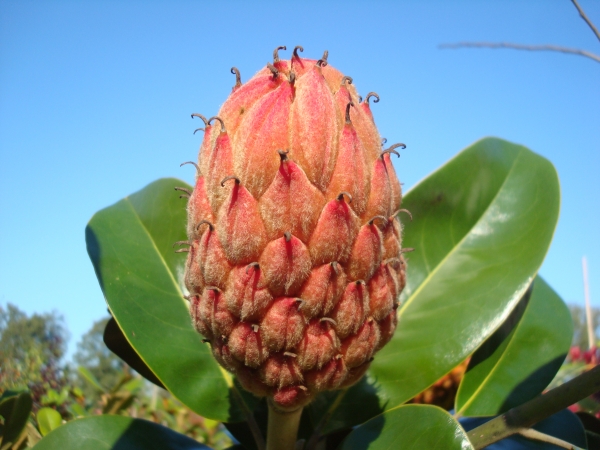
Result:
x=520 y=359
x=335 y=410
x=482 y=226
x=131 y=246
x=115 y=340
x=409 y=427
x=48 y=419
x=15 y=408
x=116 y=433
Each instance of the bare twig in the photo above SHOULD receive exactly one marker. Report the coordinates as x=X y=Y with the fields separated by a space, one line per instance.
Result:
x=553 y=48
x=535 y=435
x=588 y=307
x=524 y=416
x=588 y=21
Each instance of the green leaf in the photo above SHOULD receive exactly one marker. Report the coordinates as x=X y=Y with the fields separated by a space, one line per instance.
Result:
x=117 y=343
x=409 y=427
x=131 y=246
x=335 y=410
x=482 y=226
x=90 y=378
x=15 y=408
x=115 y=432
x=48 y=419
x=520 y=359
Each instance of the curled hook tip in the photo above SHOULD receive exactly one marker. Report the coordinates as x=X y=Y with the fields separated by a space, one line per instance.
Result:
x=406 y=211
x=348 y=121
x=389 y=150
x=238 y=77
x=220 y=120
x=199 y=129
x=230 y=177
x=344 y=193
x=374 y=218
x=297 y=48
x=335 y=267
x=202 y=222
x=182 y=189
x=192 y=163
x=200 y=116
x=328 y=319
x=254 y=265
x=283 y=154
x=276 y=52
x=372 y=94
x=346 y=79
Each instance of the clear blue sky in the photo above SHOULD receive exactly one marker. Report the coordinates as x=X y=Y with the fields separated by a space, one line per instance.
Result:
x=96 y=96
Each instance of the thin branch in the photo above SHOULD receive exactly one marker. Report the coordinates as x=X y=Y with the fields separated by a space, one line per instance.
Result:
x=552 y=48
x=535 y=435
x=588 y=21
x=534 y=411
x=588 y=309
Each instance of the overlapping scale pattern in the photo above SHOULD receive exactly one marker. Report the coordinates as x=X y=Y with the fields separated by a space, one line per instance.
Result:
x=295 y=263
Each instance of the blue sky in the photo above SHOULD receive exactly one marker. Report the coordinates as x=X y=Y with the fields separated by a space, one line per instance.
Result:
x=96 y=96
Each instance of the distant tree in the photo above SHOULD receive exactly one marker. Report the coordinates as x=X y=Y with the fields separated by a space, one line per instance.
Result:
x=580 y=337
x=93 y=354
x=31 y=351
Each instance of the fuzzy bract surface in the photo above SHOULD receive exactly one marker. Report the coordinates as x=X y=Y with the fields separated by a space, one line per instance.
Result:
x=295 y=260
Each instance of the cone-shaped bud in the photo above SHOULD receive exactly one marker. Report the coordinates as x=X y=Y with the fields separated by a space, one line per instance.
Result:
x=294 y=266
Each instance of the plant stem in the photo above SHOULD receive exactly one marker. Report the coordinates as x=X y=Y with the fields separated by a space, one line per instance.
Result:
x=535 y=435
x=282 y=430
x=532 y=412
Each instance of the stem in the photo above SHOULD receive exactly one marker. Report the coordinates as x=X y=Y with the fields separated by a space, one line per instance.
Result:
x=532 y=412
x=542 y=437
x=588 y=306
x=282 y=429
